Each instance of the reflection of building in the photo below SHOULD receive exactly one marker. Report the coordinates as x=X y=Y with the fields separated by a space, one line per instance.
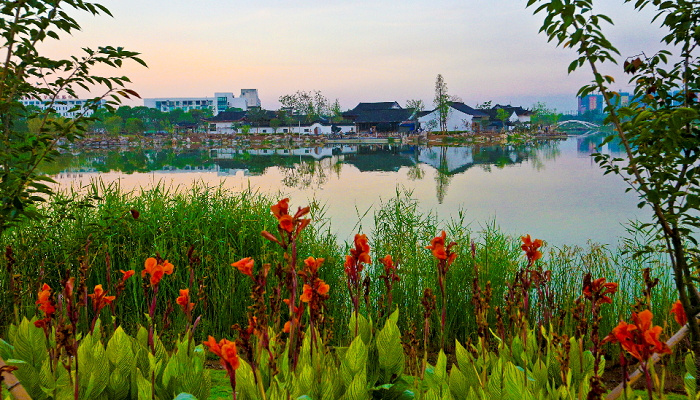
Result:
x=219 y=103
x=316 y=153
x=66 y=107
x=449 y=158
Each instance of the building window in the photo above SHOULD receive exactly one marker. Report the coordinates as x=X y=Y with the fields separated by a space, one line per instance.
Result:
x=306 y=129
x=285 y=130
x=212 y=127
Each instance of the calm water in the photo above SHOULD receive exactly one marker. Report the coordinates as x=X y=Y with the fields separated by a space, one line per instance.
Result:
x=550 y=189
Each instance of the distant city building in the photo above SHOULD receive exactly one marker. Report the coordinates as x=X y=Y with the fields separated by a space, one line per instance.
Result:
x=219 y=103
x=595 y=103
x=62 y=106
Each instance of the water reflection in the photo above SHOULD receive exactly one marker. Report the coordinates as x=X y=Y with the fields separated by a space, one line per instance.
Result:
x=552 y=180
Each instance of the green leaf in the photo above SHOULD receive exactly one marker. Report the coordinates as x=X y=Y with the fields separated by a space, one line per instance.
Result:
x=391 y=357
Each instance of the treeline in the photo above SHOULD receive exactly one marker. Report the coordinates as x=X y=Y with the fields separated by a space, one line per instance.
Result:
x=125 y=119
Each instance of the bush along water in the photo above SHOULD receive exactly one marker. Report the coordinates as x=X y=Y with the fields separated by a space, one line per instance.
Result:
x=290 y=345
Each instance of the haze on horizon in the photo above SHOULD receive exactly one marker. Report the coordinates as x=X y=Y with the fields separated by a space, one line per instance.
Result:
x=355 y=51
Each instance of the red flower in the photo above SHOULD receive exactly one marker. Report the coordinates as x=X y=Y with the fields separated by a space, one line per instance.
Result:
x=156 y=270
x=281 y=208
x=531 y=248
x=597 y=290
x=226 y=350
x=184 y=301
x=99 y=300
x=679 y=313
x=127 y=274
x=245 y=265
x=640 y=339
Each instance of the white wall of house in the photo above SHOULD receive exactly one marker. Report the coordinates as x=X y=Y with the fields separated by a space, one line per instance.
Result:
x=456 y=121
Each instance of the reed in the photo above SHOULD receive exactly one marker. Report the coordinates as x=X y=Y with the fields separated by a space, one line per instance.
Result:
x=224 y=226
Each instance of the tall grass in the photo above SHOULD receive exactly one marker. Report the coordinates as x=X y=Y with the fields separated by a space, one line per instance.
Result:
x=224 y=226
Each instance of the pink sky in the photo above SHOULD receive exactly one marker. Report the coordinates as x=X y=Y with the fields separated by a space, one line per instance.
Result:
x=351 y=50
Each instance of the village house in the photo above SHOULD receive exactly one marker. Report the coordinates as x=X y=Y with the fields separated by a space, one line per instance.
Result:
x=380 y=117
x=460 y=118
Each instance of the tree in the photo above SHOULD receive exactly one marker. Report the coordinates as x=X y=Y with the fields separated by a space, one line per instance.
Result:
x=256 y=115
x=134 y=125
x=275 y=123
x=503 y=116
x=441 y=102
x=658 y=129
x=416 y=105
x=312 y=104
x=484 y=106
x=25 y=28
x=113 y=125
x=336 y=112
x=542 y=115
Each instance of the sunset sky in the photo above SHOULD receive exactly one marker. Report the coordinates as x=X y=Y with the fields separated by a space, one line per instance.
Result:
x=355 y=51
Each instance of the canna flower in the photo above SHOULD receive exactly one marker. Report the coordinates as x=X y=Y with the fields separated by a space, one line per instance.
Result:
x=313 y=264
x=598 y=289
x=127 y=274
x=245 y=265
x=437 y=246
x=156 y=270
x=99 y=300
x=319 y=287
x=679 y=313
x=45 y=305
x=286 y=221
x=184 y=301
x=531 y=248
x=641 y=339
x=226 y=351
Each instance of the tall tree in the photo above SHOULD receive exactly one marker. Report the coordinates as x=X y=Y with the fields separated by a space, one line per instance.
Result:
x=658 y=130
x=441 y=102
x=416 y=104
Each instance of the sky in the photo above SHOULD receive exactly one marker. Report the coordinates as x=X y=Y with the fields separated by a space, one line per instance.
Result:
x=360 y=50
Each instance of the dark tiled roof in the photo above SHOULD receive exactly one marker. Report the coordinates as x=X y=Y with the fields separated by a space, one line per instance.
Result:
x=386 y=115
x=467 y=110
x=518 y=110
x=422 y=113
x=385 y=105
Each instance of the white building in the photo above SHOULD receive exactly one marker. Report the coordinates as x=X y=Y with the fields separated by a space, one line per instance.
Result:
x=460 y=117
x=220 y=102
x=64 y=106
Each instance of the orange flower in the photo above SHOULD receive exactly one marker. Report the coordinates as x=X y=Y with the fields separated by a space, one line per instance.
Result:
x=226 y=350
x=313 y=264
x=281 y=208
x=531 y=248
x=640 y=339
x=127 y=274
x=156 y=270
x=387 y=261
x=437 y=246
x=99 y=300
x=679 y=313
x=184 y=301
x=320 y=287
x=287 y=327
x=287 y=223
x=245 y=265
x=45 y=305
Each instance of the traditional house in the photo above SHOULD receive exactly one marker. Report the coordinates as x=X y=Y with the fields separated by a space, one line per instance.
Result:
x=460 y=117
x=378 y=117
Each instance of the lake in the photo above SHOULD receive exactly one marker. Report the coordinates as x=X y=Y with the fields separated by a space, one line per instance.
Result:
x=551 y=189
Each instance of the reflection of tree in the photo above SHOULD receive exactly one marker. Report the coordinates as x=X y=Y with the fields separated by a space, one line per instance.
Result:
x=305 y=174
x=336 y=165
x=415 y=172
x=443 y=177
